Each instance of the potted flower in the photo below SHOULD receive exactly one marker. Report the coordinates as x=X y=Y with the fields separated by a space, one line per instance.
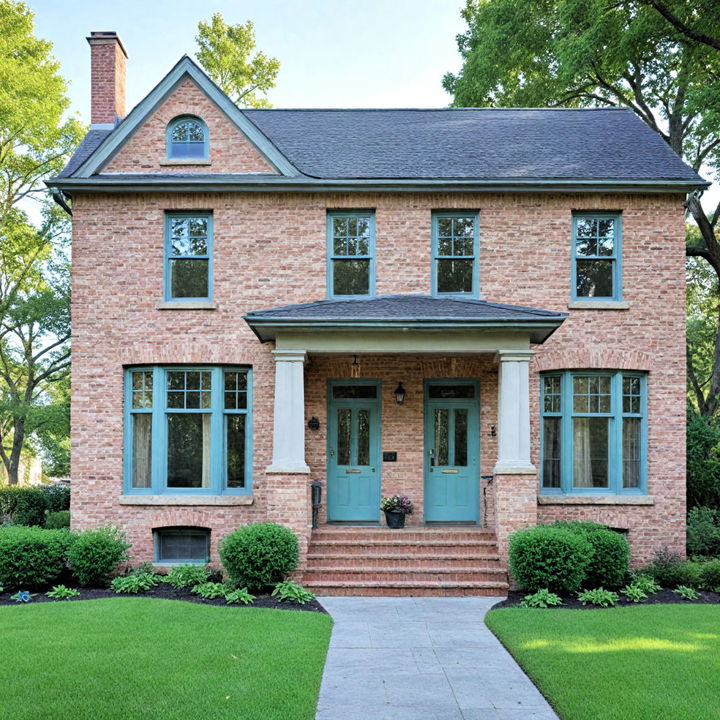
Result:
x=395 y=509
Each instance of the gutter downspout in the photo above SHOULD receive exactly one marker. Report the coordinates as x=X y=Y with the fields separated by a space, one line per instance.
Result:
x=59 y=197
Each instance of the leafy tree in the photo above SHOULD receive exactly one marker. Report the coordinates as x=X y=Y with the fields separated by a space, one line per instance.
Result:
x=225 y=51
x=35 y=142
x=577 y=53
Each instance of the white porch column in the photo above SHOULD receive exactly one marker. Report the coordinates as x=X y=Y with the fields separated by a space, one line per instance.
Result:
x=289 y=419
x=514 y=413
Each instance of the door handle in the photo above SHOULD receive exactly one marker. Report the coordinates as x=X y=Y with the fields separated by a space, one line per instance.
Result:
x=332 y=453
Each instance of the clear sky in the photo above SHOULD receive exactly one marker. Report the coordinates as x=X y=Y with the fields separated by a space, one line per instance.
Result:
x=333 y=53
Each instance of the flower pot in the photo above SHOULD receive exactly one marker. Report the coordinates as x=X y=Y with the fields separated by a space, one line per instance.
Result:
x=395 y=520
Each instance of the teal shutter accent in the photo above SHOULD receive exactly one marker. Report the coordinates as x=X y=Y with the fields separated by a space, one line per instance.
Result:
x=590 y=249
x=616 y=418
x=350 y=250
x=440 y=253
x=159 y=437
x=169 y=257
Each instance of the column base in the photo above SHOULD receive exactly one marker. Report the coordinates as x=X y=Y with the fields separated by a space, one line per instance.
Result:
x=288 y=468
x=510 y=468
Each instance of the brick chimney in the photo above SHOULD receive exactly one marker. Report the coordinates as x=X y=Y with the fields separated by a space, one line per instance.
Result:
x=107 y=82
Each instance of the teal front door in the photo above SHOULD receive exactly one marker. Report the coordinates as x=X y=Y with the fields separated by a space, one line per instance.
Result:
x=452 y=452
x=353 y=468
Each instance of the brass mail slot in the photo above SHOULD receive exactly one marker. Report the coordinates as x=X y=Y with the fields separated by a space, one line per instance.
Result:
x=352 y=470
x=451 y=472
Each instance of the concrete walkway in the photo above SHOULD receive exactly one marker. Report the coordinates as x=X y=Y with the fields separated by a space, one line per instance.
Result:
x=424 y=658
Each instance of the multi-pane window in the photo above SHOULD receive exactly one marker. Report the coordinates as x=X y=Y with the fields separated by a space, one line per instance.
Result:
x=455 y=253
x=596 y=257
x=187 y=430
x=187 y=139
x=351 y=254
x=188 y=256
x=182 y=545
x=593 y=432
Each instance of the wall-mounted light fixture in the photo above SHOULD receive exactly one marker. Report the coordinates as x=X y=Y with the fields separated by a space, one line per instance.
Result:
x=355 y=368
x=314 y=423
x=493 y=431
x=400 y=394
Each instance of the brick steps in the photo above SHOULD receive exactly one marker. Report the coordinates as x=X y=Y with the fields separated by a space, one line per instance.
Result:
x=351 y=560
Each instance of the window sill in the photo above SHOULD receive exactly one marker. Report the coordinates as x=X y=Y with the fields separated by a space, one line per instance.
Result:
x=596 y=500
x=186 y=305
x=599 y=305
x=184 y=161
x=216 y=500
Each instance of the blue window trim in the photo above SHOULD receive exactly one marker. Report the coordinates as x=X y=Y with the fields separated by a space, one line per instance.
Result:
x=370 y=215
x=616 y=257
x=475 y=215
x=218 y=470
x=616 y=415
x=168 y=138
x=179 y=530
x=167 y=285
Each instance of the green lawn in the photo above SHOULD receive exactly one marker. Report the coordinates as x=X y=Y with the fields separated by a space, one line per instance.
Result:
x=165 y=659
x=635 y=663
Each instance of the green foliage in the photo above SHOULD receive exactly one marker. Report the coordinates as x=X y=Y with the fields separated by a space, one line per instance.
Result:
x=95 y=554
x=634 y=593
x=686 y=593
x=61 y=592
x=240 y=596
x=288 y=591
x=133 y=584
x=226 y=53
x=669 y=569
x=187 y=575
x=211 y=590
x=598 y=596
x=710 y=575
x=646 y=583
x=703 y=461
x=610 y=559
x=259 y=555
x=31 y=557
x=58 y=520
x=30 y=507
x=541 y=599
x=58 y=497
x=549 y=557
x=703 y=531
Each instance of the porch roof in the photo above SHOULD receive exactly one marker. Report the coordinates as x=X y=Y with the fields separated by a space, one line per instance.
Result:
x=407 y=313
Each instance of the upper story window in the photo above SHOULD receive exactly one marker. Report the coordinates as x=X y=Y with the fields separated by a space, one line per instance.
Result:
x=596 y=265
x=187 y=430
x=455 y=269
x=187 y=139
x=188 y=256
x=594 y=429
x=351 y=254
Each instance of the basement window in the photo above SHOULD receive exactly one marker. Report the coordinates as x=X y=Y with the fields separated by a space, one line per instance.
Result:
x=182 y=545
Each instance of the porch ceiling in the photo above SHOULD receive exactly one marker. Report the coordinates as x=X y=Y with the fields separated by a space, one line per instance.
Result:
x=404 y=323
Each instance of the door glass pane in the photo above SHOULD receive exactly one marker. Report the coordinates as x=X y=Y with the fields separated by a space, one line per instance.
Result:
x=363 y=437
x=235 y=441
x=142 y=449
x=594 y=278
x=352 y=392
x=461 y=440
x=344 y=420
x=351 y=277
x=551 y=452
x=451 y=392
x=189 y=278
x=454 y=276
x=590 y=452
x=441 y=437
x=631 y=452
x=188 y=450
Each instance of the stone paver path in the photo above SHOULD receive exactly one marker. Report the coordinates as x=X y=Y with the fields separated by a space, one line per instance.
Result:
x=423 y=658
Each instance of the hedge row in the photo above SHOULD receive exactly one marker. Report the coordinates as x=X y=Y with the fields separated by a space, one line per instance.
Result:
x=31 y=506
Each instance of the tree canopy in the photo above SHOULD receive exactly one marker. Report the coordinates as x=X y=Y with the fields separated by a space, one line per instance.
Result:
x=226 y=53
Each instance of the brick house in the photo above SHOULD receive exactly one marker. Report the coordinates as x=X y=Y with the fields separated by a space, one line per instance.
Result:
x=481 y=309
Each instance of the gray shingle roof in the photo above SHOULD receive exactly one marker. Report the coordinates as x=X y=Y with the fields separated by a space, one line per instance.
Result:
x=84 y=150
x=415 y=311
x=607 y=144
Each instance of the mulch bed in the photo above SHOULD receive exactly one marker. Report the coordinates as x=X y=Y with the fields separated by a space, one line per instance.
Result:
x=664 y=597
x=168 y=592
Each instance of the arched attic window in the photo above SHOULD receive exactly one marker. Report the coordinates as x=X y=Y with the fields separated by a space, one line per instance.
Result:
x=187 y=138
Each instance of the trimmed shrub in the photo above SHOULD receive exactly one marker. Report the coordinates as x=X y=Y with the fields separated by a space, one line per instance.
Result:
x=31 y=557
x=670 y=570
x=610 y=561
x=57 y=496
x=58 y=520
x=94 y=555
x=30 y=507
x=710 y=575
x=259 y=555
x=703 y=531
x=549 y=557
